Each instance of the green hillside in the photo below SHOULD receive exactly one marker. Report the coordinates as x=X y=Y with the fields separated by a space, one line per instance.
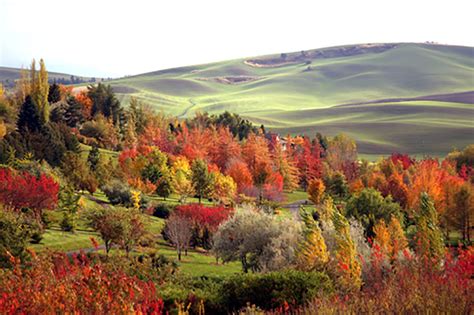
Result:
x=305 y=92
x=8 y=76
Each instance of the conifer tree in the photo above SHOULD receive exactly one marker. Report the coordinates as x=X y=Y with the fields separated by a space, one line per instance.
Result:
x=93 y=158
x=29 y=118
x=429 y=238
x=348 y=268
x=313 y=254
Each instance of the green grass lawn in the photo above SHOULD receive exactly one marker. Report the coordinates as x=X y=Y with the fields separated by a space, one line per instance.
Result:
x=296 y=195
x=55 y=239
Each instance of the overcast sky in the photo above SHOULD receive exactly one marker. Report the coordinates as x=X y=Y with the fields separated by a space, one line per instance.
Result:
x=116 y=38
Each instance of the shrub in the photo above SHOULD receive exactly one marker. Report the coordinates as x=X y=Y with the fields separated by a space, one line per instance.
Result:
x=14 y=236
x=118 y=193
x=162 y=210
x=272 y=290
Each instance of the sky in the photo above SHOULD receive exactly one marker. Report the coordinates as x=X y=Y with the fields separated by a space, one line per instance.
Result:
x=103 y=38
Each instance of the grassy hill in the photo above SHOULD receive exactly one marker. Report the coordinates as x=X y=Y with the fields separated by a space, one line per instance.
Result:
x=9 y=75
x=390 y=97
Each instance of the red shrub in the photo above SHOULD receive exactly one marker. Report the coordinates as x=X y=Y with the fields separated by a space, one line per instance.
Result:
x=23 y=190
x=75 y=286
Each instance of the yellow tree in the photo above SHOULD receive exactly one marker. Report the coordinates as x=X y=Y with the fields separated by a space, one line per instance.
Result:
x=181 y=172
x=224 y=189
x=313 y=254
x=326 y=210
x=316 y=190
x=348 y=268
x=41 y=92
x=382 y=238
x=397 y=235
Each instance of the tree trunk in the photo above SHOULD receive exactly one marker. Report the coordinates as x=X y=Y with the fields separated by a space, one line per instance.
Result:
x=179 y=254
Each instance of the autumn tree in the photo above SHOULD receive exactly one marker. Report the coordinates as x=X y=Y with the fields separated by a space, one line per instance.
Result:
x=313 y=254
x=181 y=172
x=348 y=268
x=24 y=190
x=224 y=189
x=78 y=173
x=241 y=175
x=341 y=152
x=178 y=230
x=316 y=190
x=40 y=89
x=287 y=168
x=463 y=213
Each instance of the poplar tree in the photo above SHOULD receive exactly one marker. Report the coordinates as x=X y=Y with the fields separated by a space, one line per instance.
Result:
x=429 y=238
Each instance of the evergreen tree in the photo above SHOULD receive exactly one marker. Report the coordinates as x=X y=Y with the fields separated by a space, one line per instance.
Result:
x=73 y=115
x=69 y=205
x=29 y=118
x=93 y=158
x=54 y=94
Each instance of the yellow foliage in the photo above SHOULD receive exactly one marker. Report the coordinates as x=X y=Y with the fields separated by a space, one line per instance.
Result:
x=316 y=190
x=3 y=130
x=382 y=238
x=314 y=254
x=136 y=199
x=397 y=235
x=348 y=268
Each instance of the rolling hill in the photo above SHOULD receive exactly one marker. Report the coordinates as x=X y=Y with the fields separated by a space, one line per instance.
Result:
x=405 y=97
x=9 y=75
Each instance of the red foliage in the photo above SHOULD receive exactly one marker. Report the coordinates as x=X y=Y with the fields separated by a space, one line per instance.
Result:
x=23 y=190
x=273 y=187
x=308 y=158
x=203 y=216
x=241 y=175
x=402 y=159
x=59 y=284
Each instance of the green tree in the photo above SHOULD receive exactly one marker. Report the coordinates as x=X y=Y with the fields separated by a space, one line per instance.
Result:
x=14 y=236
x=54 y=94
x=104 y=102
x=201 y=178
x=369 y=206
x=73 y=115
x=29 y=117
x=164 y=186
x=41 y=91
x=93 y=158
x=69 y=206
